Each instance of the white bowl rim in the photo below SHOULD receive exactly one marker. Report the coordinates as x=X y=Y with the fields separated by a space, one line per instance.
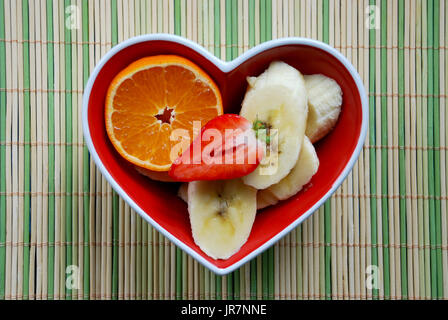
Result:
x=225 y=67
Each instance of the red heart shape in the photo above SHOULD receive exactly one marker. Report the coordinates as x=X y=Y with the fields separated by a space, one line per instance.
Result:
x=158 y=203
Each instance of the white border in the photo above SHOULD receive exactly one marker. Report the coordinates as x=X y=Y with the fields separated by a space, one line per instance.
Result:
x=225 y=67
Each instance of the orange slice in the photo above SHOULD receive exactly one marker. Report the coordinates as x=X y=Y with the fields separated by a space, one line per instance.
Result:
x=152 y=97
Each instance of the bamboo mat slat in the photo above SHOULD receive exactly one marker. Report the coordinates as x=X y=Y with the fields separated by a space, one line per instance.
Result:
x=65 y=234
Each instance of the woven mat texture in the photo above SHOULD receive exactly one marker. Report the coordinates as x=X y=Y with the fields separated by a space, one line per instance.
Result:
x=382 y=235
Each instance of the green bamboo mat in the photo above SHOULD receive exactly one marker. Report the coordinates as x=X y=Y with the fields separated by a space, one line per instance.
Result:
x=64 y=233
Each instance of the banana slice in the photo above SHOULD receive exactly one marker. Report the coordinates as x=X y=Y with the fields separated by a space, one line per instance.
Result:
x=155 y=175
x=324 y=105
x=183 y=191
x=261 y=202
x=265 y=199
x=277 y=101
x=300 y=175
x=221 y=215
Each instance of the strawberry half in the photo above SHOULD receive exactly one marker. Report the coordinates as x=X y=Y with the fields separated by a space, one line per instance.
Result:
x=226 y=148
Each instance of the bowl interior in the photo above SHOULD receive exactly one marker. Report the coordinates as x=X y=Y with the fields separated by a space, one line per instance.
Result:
x=159 y=200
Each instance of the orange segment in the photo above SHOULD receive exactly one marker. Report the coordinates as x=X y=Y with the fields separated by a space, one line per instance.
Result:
x=152 y=97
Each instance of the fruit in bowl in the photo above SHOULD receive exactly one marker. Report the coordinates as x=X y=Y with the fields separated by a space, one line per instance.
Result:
x=157 y=201
x=236 y=164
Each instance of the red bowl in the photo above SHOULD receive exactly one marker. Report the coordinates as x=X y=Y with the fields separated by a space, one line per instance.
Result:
x=158 y=203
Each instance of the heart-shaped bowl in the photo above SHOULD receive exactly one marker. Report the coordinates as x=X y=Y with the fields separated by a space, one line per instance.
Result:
x=158 y=203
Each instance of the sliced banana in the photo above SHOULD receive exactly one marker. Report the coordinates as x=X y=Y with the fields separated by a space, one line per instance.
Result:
x=183 y=191
x=155 y=175
x=261 y=202
x=265 y=199
x=221 y=215
x=300 y=175
x=324 y=105
x=277 y=99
